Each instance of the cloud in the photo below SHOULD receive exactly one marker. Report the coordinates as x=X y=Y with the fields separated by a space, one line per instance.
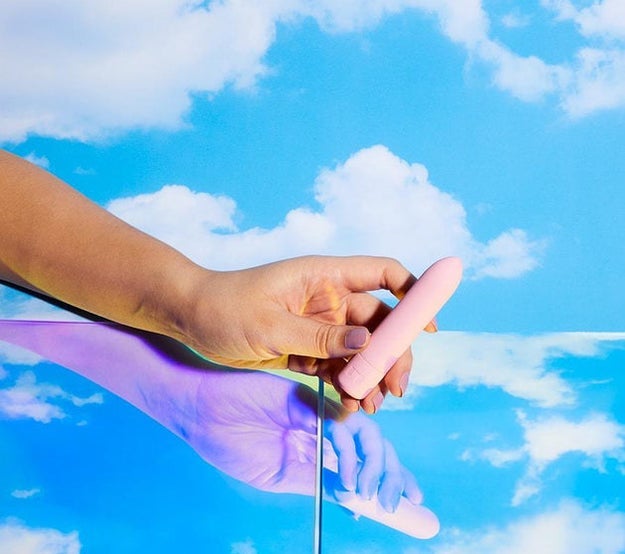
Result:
x=12 y=354
x=519 y=365
x=19 y=305
x=599 y=81
x=17 y=538
x=84 y=171
x=28 y=399
x=596 y=437
x=86 y=70
x=246 y=547
x=25 y=493
x=546 y=440
x=527 y=78
x=41 y=161
x=604 y=18
x=569 y=528
x=83 y=70
x=514 y=20
x=373 y=203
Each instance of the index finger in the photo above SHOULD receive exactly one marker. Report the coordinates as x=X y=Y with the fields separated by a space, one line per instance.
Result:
x=369 y=273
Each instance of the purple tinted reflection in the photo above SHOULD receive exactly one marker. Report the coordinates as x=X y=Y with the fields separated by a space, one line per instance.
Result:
x=226 y=415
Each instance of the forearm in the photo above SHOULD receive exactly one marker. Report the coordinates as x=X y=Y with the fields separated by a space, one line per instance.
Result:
x=55 y=240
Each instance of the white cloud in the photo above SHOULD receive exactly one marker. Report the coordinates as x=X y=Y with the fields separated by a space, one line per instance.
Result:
x=605 y=18
x=570 y=528
x=515 y=20
x=245 y=547
x=19 y=305
x=599 y=81
x=520 y=365
x=546 y=440
x=32 y=400
x=16 y=355
x=16 y=538
x=25 y=493
x=41 y=161
x=374 y=203
x=527 y=78
x=85 y=69
x=84 y=171
x=88 y=69
x=596 y=437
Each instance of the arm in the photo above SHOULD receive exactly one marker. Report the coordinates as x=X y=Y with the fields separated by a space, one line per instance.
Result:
x=56 y=241
x=225 y=415
x=307 y=314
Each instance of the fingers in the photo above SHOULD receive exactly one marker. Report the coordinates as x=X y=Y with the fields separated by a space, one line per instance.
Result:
x=367 y=273
x=345 y=449
x=397 y=378
x=368 y=463
x=318 y=339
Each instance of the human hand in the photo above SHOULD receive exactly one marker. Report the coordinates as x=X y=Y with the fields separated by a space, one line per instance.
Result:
x=308 y=314
x=225 y=415
x=240 y=413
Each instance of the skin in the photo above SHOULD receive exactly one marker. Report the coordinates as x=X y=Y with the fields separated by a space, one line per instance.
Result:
x=298 y=314
x=226 y=414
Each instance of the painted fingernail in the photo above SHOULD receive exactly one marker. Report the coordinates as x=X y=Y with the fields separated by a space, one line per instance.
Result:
x=377 y=401
x=356 y=338
x=403 y=383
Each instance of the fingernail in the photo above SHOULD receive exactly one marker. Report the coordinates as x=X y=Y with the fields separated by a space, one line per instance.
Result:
x=351 y=482
x=377 y=401
x=371 y=490
x=356 y=338
x=431 y=327
x=403 y=383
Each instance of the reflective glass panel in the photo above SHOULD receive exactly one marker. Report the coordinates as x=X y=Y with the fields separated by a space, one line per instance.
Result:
x=517 y=443
x=82 y=466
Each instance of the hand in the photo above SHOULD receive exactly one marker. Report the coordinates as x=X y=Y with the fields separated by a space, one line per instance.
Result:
x=225 y=415
x=308 y=314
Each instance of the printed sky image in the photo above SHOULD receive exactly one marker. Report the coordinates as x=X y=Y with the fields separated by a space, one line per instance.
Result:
x=244 y=132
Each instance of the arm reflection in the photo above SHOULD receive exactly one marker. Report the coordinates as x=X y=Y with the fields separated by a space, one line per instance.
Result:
x=256 y=427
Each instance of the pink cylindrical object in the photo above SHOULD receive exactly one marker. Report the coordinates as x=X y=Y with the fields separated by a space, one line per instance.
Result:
x=395 y=334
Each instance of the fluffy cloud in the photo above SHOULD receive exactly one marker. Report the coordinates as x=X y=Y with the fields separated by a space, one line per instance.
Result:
x=596 y=437
x=599 y=81
x=527 y=78
x=29 y=399
x=374 y=203
x=84 y=70
x=17 y=538
x=546 y=440
x=605 y=18
x=569 y=528
x=520 y=365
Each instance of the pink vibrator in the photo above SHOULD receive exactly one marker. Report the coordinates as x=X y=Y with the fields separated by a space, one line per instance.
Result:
x=395 y=334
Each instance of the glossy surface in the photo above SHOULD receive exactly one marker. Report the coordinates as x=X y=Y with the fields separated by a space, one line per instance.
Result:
x=513 y=440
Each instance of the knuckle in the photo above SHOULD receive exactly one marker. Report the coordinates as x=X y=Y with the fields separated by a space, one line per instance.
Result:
x=323 y=338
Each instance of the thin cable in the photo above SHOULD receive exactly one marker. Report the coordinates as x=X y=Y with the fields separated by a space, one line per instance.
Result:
x=319 y=468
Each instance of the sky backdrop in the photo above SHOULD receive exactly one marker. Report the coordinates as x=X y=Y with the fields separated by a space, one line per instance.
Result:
x=243 y=132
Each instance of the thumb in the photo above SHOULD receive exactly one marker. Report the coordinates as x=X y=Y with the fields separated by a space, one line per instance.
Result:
x=317 y=339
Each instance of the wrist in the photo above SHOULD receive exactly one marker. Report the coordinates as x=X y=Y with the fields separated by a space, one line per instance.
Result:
x=172 y=302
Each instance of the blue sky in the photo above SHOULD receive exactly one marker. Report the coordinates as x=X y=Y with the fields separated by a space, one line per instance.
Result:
x=247 y=132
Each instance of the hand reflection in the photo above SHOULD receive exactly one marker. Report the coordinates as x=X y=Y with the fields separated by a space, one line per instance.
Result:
x=256 y=427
